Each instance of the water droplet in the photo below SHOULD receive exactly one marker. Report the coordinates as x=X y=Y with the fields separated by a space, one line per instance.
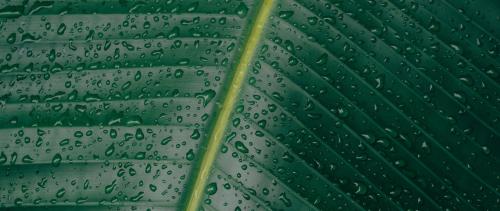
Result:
x=241 y=147
x=178 y=73
x=434 y=25
x=285 y=14
x=38 y=5
x=12 y=11
x=60 y=193
x=27 y=159
x=64 y=142
x=174 y=33
x=52 y=55
x=89 y=97
x=18 y=201
x=242 y=10
x=196 y=134
x=29 y=38
x=3 y=158
x=343 y=112
x=360 y=188
x=206 y=96
x=109 y=188
x=287 y=157
x=321 y=60
x=425 y=147
x=190 y=155
x=153 y=188
x=459 y=96
x=56 y=160
x=138 y=76
x=285 y=200
x=262 y=123
x=110 y=150
x=211 y=188
x=292 y=61
x=61 y=29
x=379 y=82
x=140 y=155
x=192 y=7
x=166 y=140
x=11 y=38
x=139 y=135
x=455 y=47
x=486 y=150
x=137 y=197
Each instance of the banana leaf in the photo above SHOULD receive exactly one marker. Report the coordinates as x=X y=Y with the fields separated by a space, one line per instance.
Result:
x=249 y=105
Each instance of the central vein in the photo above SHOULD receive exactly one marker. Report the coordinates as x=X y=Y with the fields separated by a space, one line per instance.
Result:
x=216 y=136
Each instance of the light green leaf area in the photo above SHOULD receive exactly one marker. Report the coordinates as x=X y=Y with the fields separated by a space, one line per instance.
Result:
x=249 y=105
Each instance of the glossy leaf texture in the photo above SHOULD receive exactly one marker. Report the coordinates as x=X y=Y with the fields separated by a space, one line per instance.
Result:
x=104 y=103
x=348 y=104
x=367 y=105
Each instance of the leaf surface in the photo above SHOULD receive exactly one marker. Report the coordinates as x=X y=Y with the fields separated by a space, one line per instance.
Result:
x=249 y=105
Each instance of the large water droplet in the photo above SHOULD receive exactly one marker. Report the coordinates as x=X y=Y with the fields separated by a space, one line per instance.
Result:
x=211 y=188
x=206 y=96
x=241 y=147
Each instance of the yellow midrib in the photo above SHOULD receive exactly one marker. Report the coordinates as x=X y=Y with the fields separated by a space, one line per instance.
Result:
x=215 y=139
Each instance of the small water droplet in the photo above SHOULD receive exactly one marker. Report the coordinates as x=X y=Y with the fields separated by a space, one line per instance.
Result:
x=139 y=135
x=11 y=38
x=285 y=14
x=110 y=150
x=196 y=134
x=56 y=160
x=61 y=29
x=109 y=188
x=60 y=193
x=360 y=188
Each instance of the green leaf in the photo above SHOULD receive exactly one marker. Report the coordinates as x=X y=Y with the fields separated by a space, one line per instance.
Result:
x=249 y=105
